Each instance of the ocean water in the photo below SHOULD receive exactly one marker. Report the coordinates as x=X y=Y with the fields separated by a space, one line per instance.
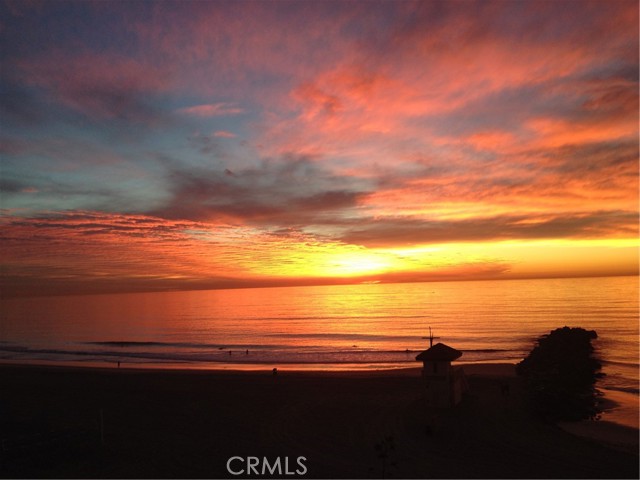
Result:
x=368 y=326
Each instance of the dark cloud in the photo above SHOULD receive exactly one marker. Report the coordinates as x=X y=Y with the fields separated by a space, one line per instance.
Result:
x=408 y=231
x=11 y=186
x=292 y=192
x=115 y=102
x=208 y=145
x=613 y=96
x=95 y=223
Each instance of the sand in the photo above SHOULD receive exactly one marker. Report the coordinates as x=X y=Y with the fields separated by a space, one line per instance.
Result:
x=187 y=424
x=617 y=427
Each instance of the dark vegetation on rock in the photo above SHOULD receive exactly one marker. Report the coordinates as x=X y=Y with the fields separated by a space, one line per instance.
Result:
x=560 y=374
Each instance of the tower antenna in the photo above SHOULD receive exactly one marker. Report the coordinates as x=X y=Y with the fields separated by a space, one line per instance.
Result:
x=430 y=337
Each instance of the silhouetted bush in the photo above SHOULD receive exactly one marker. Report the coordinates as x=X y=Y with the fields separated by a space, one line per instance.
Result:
x=560 y=374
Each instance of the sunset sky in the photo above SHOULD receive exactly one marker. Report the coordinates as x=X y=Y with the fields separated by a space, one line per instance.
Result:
x=174 y=145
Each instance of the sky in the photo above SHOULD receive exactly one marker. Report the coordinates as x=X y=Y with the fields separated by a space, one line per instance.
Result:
x=165 y=145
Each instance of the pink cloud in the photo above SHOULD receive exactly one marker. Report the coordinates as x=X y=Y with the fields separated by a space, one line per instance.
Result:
x=370 y=102
x=211 y=110
x=224 y=134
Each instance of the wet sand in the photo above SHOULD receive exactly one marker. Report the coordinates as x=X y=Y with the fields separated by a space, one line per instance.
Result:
x=187 y=424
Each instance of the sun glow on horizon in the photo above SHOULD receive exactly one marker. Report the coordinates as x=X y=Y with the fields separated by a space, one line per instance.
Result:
x=347 y=265
x=508 y=258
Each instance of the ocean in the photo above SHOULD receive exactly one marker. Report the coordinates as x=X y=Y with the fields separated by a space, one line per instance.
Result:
x=367 y=326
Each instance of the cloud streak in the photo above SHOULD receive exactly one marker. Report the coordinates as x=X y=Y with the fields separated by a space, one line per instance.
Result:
x=211 y=110
x=407 y=231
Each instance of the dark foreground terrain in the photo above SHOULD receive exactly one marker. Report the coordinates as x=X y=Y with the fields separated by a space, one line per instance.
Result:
x=187 y=424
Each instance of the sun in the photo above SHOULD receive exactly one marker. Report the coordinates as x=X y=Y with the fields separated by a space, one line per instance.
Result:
x=358 y=263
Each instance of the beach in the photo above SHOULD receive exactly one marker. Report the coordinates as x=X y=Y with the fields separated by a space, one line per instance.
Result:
x=133 y=423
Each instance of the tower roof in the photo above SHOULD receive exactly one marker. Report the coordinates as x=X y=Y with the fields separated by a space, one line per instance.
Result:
x=440 y=352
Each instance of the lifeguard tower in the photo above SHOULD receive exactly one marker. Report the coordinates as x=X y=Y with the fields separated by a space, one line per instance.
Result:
x=444 y=383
